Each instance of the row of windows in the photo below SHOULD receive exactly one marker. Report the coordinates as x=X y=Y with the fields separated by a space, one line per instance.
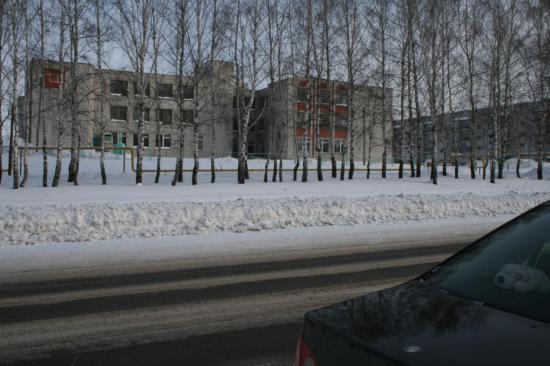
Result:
x=339 y=145
x=339 y=121
x=120 y=139
x=165 y=116
x=163 y=90
x=324 y=96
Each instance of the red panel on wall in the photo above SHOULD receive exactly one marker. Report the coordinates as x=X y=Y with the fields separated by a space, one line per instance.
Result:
x=341 y=109
x=341 y=87
x=339 y=134
x=51 y=78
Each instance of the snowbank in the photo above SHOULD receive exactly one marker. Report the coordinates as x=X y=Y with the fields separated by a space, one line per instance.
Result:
x=30 y=224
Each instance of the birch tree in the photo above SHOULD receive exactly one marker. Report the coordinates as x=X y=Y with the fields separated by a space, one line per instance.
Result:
x=28 y=90
x=156 y=41
x=76 y=10
x=381 y=14
x=99 y=25
x=59 y=122
x=248 y=31
x=135 y=37
x=319 y=42
x=431 y=56
x=308 y=100
x=17 y=28
x=196 y=51
x=217 y=28
x=293 y=95
x=537 y=70
x=177 y=56
x=468 y=42
x=4 y=55
x=494 y=43
x=353 y=38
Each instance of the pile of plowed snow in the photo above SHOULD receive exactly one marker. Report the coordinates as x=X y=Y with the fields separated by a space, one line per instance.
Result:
x=29 y=224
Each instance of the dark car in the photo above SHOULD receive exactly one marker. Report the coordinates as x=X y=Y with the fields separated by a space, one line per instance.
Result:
x=489 y=304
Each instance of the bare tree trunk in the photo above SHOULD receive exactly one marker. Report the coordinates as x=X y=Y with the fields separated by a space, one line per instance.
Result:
x=274 y=177
x=156 y=54
x=159 y=146
x=332 y=134
x=15 y=63
x=195 y=173
x=59 y=116
x=15 y=156
x=2 y=44
x=29 y=88
x=213 y=167
x=343 y=165
x=266 y=169
x=419 y=123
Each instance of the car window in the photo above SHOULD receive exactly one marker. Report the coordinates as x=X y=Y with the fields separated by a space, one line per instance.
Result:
x=509 y=269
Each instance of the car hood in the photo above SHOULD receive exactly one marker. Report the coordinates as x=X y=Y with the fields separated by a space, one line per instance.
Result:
x=418 y=324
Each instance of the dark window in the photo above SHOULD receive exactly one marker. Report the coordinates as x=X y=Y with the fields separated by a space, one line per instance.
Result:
x=165 y=90
x=259 y=102
x=187 y=115
x=163 y=140
x=301 y=94
x=108 y=138
x=324 y=96
x=118 y=87
x=340 y=122
x=188 y=92
x=145 y=140
x=235 y=124
x=146 y=114
x=119 y=138
x=324 y=121
x=341 y=98
x=119 y=112
x=200 y=142
x=260 y=125
x=147 y=89
x=165 y=116
x=325 y=144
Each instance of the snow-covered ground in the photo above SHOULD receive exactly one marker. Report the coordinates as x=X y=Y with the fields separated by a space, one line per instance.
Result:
x=122 y=210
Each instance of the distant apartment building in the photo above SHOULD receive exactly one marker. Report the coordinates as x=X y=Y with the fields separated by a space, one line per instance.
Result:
x=519 y=126
x=278 y=130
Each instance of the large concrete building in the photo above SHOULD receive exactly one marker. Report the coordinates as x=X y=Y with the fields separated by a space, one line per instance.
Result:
x=278 y=130
x=292 y=132
x=519 y=128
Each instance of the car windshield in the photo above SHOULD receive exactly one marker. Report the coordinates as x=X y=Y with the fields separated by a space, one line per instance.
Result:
x=508 y=270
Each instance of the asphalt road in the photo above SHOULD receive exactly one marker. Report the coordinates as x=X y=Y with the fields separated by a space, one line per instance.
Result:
x=223 y=314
